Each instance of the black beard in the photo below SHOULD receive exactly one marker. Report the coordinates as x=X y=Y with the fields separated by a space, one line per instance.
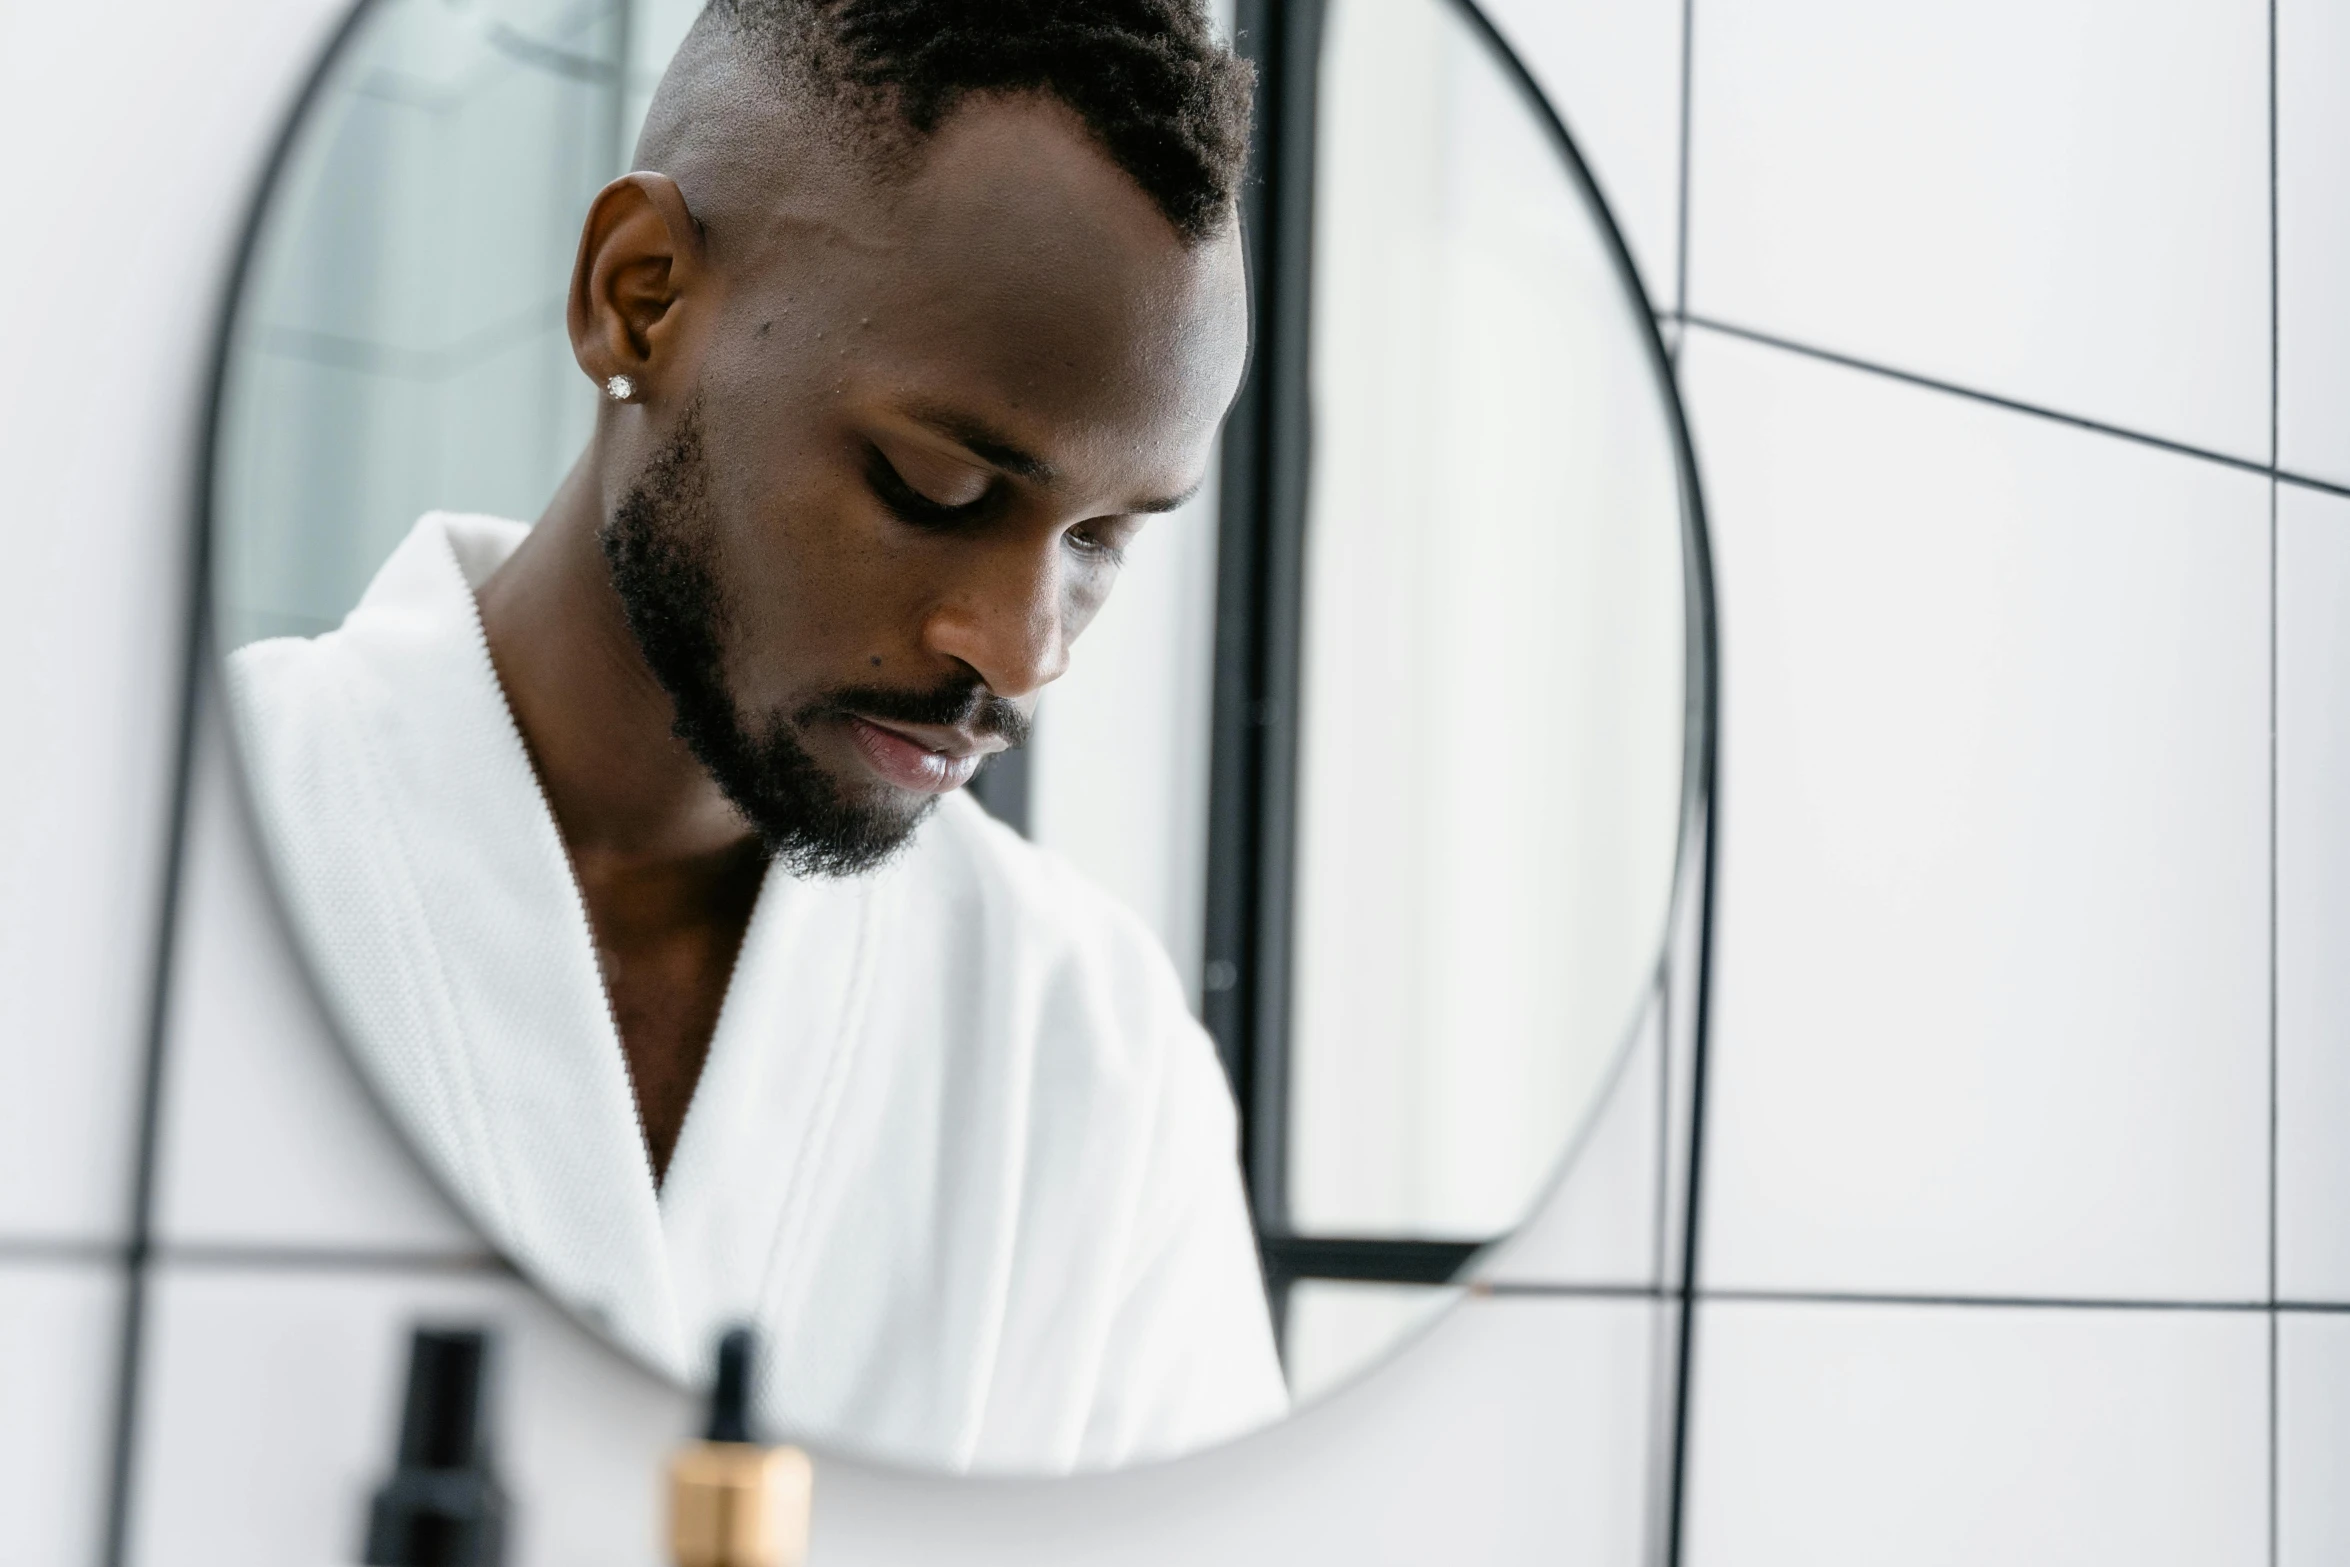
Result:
x=662 y=546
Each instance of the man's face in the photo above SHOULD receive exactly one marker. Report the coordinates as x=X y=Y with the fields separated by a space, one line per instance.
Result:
x=924 y=429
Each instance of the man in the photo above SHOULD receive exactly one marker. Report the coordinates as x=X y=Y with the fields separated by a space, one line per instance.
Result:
x=628 y=844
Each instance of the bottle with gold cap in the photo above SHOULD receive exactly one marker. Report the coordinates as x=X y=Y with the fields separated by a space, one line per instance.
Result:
x=734 y=1502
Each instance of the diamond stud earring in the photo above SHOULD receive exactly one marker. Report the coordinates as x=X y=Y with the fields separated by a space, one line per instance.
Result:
x=620 y=389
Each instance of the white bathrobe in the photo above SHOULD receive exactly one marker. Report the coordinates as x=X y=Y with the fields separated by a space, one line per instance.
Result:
x=959 y=1150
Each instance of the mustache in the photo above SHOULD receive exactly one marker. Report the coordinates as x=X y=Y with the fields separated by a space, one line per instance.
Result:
x=959 y=704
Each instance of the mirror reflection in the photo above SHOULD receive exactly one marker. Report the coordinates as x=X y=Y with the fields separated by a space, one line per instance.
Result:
x=857 y=745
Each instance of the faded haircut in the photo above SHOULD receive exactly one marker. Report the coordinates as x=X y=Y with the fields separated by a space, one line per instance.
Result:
x=1162 y=95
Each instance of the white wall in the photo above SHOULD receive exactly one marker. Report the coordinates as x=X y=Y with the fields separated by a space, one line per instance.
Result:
x=2028 y=926
x=1997 y=1225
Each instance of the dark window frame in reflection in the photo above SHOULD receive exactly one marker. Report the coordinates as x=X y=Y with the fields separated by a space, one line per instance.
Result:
x=1254 y=728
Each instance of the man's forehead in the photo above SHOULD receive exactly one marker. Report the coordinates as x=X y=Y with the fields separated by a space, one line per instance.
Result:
x=1019 y=294
x=1011 y=206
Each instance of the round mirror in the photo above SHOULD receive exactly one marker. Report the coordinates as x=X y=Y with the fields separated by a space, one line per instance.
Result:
x=650 y=614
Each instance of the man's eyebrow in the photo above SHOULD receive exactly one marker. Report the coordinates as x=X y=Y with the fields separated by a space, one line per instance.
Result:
x=1171 y=502
x=987 y=444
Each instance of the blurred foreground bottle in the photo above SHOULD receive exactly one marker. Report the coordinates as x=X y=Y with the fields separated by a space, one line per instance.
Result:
x=732 y=1501
x=442 y=1506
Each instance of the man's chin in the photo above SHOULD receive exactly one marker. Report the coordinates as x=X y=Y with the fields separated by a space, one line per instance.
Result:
x=819 y=809
x=854 y=833
x=858 y=795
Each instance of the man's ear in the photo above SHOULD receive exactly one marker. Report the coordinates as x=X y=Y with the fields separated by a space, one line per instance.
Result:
x=640 y=253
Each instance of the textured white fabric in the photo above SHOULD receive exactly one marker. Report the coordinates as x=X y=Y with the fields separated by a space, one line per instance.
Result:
x=959 y=1149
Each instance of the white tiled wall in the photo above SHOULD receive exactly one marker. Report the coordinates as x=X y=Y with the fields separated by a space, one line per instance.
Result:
x=2313 y=240
x=2313 y=895
x=90 y=600
x=2011 y=977
x=2064 y=203
x=1991 y=977
x=60 y=1333
x=1861 y=1435
x=2313 y=1439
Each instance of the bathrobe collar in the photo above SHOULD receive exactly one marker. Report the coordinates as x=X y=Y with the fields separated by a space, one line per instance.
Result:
x=441 y=908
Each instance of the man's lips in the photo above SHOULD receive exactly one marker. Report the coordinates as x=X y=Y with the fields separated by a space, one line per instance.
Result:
x=920 y=758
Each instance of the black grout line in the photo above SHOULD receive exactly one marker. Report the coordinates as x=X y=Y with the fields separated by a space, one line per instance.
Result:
x=37 y=1250
x=1803 y=1297
x=1996 y=1302
x=2304 y=481
x=1500 y=1289
x=2275 y=1448
x=34 y=1251
x=326 y=1259
x=2012 y=405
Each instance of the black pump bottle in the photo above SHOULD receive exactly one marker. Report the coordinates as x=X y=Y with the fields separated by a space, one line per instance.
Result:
x=442 y=1506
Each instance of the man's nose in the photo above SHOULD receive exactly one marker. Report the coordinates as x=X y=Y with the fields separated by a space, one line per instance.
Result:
x=1005 y=617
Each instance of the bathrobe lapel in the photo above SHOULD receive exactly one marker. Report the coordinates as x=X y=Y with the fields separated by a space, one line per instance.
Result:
x=756 y=1140
x=432 y=890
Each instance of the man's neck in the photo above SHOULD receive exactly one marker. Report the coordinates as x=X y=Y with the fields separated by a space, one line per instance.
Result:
x=596 y=722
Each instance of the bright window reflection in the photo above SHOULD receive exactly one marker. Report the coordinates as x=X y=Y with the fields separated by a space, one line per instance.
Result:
x=412 y=353
x=1490 y=761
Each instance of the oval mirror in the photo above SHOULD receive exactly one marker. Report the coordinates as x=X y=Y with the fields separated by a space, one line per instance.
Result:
x=635 y=597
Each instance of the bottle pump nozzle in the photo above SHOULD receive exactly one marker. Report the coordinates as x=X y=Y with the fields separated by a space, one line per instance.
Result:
x=730 y=1390
x=733 y=1502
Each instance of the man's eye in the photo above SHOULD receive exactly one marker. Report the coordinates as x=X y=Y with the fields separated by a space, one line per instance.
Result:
x=910 y=504
x=1097 y=546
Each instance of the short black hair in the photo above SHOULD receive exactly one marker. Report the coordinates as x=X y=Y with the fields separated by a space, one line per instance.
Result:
x=1164 y=96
